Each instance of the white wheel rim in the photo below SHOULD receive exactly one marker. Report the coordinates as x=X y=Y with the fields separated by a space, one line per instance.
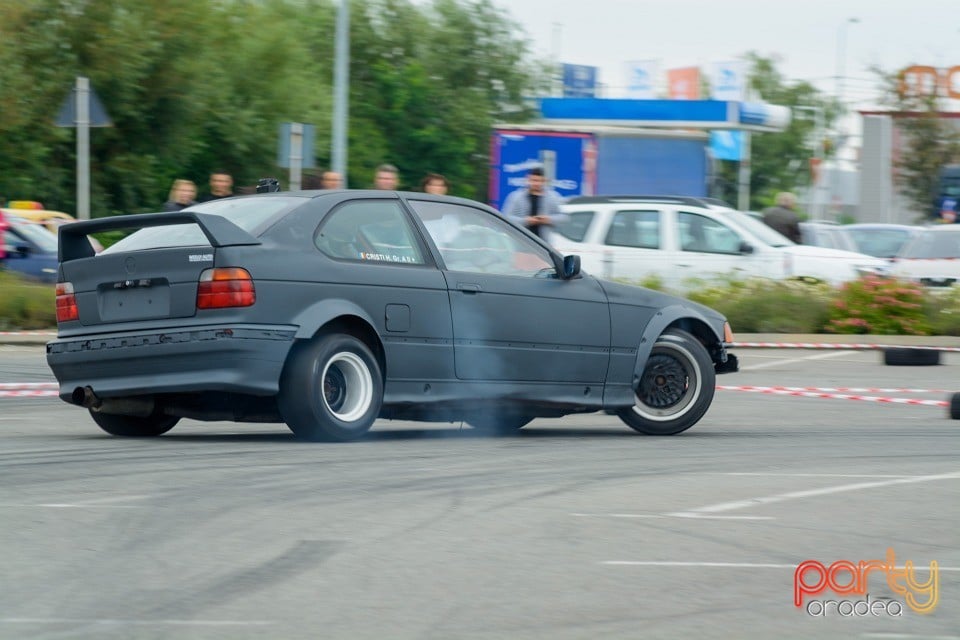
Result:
x=354 y=386
x=694 y=382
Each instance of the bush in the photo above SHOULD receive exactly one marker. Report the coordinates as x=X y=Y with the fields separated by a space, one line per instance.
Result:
x=769 y=306
x=944 y=313
x=884 y=306
x=25 y=304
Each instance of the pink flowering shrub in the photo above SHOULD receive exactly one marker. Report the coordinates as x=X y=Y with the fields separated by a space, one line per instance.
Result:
x=883 y=306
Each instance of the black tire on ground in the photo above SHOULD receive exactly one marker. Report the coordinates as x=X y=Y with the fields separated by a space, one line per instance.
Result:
x=676 y=387
x=955 y=406
x=134 y=426
x=499 y=424
x=908 y=357
x=331 y=389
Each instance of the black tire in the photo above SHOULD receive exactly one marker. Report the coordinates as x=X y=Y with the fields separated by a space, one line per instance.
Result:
x=676 y=387
x=907 y=357
x=134 y=426
x=498 y=424
x=955 y=406
x=331 y=389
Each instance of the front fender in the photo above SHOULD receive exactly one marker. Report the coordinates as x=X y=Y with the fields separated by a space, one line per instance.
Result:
x=689 y=318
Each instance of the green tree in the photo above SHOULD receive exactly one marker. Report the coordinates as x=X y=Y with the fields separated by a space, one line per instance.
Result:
x=930 y=141
x=779 y=161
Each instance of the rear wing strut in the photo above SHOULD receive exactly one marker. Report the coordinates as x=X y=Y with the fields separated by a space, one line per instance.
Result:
x=219 y=231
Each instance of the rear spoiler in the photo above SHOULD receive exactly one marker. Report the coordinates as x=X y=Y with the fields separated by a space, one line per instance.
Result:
x=219 y=231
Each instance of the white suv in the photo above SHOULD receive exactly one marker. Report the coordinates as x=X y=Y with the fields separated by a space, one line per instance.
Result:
x=682 y=239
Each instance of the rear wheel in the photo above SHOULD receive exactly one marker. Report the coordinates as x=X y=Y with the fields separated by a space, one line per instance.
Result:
x=676 y=387
x=331 y=389
x=134 y=426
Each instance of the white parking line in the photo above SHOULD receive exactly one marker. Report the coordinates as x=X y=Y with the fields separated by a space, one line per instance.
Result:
x=95 y=503
x=809 y=493
x=668 y=515
x=816 y=356
x=814 y=475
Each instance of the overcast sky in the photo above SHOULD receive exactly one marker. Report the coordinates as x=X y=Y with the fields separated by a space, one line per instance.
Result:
x=804 y=36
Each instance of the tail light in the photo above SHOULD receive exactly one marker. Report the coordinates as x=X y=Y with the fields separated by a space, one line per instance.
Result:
x=225 y=287
x=66 y=303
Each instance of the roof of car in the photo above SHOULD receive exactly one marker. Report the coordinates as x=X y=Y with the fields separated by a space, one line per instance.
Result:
x=687 y=200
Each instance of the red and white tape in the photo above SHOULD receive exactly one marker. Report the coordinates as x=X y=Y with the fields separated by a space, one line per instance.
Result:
x=786 y=391
x=28 y=333
x=30 y=393
x=28 y=385
x=857 y=346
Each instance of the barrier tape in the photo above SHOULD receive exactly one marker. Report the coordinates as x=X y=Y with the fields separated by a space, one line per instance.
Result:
x=780 y=391
x=844 y=389
x=30 y=393
x=28 y=333
x=835 y=345
x=28 y=385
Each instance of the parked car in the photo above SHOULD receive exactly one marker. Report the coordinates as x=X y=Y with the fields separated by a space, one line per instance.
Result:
x=30 y=249
x=883 y=240
x=931 y=257
x=51 y=220
x=328 y=309
x=682 y=240
x=819 y=233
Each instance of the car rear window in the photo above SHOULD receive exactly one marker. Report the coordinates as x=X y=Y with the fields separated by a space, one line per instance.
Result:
x=253 y=215
x=939 y=243
x=575 y=226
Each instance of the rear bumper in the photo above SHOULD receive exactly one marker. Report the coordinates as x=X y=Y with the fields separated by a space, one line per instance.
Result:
x=236 y=358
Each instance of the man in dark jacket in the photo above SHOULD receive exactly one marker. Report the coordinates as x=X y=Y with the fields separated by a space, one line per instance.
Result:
x=783 y=217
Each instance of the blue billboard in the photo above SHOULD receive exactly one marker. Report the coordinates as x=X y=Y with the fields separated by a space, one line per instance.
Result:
x=570 y=155
x=579 y=81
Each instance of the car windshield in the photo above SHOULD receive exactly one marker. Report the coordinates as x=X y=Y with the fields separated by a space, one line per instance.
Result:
x=756 y=228
x=36 y=234
x=246 y=213
x=934 y=243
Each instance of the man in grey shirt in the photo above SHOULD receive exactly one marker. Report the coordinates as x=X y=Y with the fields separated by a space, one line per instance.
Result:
x=535 y=207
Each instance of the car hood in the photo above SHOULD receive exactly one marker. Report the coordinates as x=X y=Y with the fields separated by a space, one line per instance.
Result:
x=808 y=251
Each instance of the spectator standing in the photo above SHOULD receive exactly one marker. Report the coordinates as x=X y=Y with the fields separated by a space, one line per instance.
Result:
x=386 y=177
x=221 y=186
x=331 y=180
x=535 y=207
x=183 y=193
x=783 y=216
x=434 y=183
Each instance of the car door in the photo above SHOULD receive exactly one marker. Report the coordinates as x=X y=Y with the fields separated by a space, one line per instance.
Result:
x=635 y=248
x=709 y=248
x=513 y=318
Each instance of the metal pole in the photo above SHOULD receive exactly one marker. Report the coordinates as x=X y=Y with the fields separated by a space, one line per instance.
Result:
x=841 y=64
x=83 y=148
x=341 y=84
x=743 y=190
x=296 y=155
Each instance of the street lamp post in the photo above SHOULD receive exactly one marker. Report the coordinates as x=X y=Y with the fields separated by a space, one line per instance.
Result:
x=841 y=63
x=816 y=201
x=340 y=93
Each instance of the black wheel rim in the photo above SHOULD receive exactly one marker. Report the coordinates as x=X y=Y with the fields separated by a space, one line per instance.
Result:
x=334 y=388
x=665 y=382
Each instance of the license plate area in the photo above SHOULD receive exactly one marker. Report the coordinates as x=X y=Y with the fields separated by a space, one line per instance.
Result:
x=134 y=300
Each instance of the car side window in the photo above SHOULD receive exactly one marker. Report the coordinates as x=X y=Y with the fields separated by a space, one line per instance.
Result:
x=576 y=225
x=706 y=235
x=476 y=241
x=369 y=231
x=635 y=229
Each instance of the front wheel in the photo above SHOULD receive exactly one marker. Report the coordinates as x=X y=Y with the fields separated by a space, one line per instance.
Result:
x=134 y=426
x=676 y=387
x=331 y=389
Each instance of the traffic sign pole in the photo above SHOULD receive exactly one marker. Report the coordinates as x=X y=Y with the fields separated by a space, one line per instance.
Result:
x=82 y=123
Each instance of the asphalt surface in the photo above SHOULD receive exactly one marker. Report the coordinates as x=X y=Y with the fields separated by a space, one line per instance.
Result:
x=576 y=528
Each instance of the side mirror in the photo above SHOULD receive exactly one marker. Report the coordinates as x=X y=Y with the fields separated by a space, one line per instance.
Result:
x=571 y=267
x=746 y=247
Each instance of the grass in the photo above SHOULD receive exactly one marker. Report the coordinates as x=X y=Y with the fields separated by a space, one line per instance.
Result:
x=24 y=304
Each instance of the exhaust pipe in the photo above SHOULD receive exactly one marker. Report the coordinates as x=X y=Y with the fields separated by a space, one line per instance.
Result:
x=141 y=406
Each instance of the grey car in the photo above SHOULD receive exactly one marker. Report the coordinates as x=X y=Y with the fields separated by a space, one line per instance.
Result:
x=327 y=310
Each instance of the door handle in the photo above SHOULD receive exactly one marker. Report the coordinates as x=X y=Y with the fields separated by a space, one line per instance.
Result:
x=468 y=287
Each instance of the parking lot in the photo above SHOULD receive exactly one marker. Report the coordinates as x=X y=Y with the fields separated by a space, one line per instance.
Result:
x=575 y=528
